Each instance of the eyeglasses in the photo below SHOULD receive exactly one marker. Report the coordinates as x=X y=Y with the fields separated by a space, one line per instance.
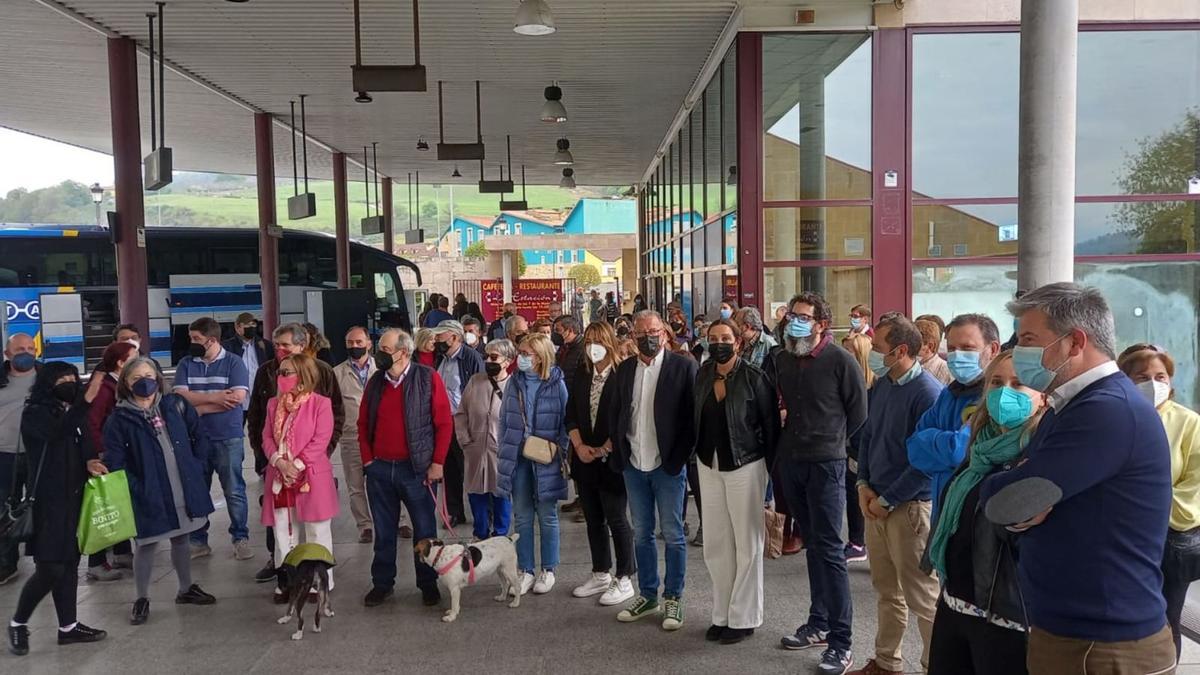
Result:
x=495 y=358
x=792 y=316
x=286 y=373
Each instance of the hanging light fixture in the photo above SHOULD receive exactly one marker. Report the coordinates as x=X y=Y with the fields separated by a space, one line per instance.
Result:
x=564 y=157
x=534 y=18
x=568 y=179
x=553 y=110
x=421 y=144
x=456 y=174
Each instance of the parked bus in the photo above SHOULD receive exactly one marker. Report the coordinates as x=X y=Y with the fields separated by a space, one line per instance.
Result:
x=51 y=271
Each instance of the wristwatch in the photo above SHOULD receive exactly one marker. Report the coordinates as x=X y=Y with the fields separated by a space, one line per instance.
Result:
x=886 y=506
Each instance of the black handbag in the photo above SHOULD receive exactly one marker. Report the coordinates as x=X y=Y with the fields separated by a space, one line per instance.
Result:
x=16 y=520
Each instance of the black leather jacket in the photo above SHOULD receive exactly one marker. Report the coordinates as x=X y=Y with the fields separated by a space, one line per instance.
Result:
x=751 y=410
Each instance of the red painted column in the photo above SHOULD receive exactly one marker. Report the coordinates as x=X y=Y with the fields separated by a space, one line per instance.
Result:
x=749 y=169
x=892 y=272
x=389 y=231
x=133 y=306
x=341 y=220
x=268 y=245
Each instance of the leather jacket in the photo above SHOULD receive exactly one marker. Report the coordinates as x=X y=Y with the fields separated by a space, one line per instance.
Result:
x=751 y=410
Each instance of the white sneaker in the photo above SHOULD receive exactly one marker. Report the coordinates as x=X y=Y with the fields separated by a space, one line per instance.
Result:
x=598 y=583
x=545 y=581
x=619 y=591
x=525 y=583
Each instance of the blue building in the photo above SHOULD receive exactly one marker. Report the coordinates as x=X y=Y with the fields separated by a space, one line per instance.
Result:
x=588 y=216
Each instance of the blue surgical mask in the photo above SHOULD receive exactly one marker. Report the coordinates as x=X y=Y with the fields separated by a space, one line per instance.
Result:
x=964 y=366
x=875 y=361
x=855 y=322
x=799 y=329
x=525 y=363
x=726 y=313
x=1027 y=361
x=1008 y=407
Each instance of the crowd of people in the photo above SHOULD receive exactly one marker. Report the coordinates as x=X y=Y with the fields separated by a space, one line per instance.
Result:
x=1033 y=508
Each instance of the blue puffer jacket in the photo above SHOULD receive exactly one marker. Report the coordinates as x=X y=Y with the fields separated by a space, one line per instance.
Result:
x=939 y=444
x=131 y=443
x=548 y=401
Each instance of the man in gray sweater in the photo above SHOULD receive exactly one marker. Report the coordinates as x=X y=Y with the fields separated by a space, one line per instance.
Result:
x=16 y=377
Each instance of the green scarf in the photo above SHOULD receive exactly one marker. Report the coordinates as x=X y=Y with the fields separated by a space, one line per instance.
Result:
x=991 y=448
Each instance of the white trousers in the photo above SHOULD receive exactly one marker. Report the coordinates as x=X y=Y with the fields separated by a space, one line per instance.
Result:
x=734 y=530
x=320 y=532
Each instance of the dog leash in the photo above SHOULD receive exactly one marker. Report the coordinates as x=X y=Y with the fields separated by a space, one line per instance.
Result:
x=445 y=515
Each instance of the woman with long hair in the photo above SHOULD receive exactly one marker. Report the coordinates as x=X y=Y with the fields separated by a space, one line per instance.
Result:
x=157 y=440
x=737 y=428
x=532 y=415
x=859 y=346
x=980 y=626
x=1151 y=368
x=601 y=488
x=299 y=487
x=424 y=339
x=318 y=345
x=60 y=456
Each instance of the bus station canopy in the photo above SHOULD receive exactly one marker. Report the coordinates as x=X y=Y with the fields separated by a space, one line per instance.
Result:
x=624 y=67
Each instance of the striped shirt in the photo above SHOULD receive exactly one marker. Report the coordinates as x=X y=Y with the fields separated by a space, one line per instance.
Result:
x=224 y=372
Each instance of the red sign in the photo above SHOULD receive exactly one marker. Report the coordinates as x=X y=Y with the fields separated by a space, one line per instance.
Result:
x=532 y=297
x=731 y=286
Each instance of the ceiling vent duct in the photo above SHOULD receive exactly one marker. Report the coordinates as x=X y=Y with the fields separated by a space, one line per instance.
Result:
x=387 y=78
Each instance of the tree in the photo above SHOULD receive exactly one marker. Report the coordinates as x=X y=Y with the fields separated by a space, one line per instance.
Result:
x=521 y=265
x=585 y=275
x=429 y=211
x=476 y=251
x=1163 y=166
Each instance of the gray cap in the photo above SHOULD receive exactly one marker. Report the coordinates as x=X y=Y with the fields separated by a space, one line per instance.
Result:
x=449 y=326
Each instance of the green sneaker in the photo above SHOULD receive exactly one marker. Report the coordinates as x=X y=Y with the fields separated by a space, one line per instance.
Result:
x=639 y=608
x=673 y=620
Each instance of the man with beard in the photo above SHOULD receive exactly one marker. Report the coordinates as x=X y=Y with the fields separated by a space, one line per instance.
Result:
x=824 y=392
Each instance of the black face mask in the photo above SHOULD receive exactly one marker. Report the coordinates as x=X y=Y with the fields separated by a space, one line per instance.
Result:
x=517 y=340
x=649 y=345
x=249 y=332
x=441 y=348
x=622 y=331
x=383 y=360
x=197 y=350
x=66 y=391
x=356 y=353
x=507 y=314
x=721 y=352
x=677 y=327
x=492 y=369
x=557 y=339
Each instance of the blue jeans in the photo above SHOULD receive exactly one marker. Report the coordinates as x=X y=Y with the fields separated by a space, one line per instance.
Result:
x=525 y=506
x=225 y=459
x=12 y=470
x=492 y=515
x=647 y=491
x=816 y=495
x=390 y=484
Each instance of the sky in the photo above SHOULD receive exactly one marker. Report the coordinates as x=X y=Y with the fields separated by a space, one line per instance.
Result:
x=33 y=162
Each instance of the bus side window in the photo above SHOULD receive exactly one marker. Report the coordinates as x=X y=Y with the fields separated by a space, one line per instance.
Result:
x=386 y=296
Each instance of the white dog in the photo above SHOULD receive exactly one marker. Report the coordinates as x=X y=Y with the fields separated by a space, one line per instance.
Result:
x=458 y=566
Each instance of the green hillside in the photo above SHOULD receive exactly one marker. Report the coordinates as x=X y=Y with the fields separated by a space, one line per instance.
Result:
x=225 y=200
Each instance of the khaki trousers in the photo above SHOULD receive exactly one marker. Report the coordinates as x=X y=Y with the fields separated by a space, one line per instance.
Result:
x=894 y=548
x=356 y=485
x=1050 y=654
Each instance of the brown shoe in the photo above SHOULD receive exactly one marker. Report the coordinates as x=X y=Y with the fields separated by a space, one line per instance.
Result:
x=406 y=532
x=366 y=537
x=792 y=545
x=573 y=506
x=873 y=668
x=579 y=517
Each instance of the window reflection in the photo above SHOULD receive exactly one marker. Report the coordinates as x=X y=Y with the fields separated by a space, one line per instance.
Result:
x=975 y=231
x=817 y=233
x=842 y=287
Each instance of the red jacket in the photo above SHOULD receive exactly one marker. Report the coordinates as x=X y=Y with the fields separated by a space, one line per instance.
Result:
x=102 y=407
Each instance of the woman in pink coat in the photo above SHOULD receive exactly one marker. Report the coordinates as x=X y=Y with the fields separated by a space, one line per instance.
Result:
x=299 y=488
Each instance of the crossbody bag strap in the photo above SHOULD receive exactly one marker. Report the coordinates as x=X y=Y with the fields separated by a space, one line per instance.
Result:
x=37 y=477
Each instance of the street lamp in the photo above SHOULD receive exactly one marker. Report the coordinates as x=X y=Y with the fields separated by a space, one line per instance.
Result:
x=97 y=198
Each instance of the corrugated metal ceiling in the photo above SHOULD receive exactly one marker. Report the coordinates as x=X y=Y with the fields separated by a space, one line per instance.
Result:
x=624 y=66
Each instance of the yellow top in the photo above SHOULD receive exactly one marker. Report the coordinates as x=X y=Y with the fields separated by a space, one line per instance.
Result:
x=1183 y=433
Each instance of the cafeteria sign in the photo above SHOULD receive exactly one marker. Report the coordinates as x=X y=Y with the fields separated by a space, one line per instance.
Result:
x=532 y=297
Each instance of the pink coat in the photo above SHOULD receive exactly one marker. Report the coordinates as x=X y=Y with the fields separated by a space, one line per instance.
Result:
x=308 y=439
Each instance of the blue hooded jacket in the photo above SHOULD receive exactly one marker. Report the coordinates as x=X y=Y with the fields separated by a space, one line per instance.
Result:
x=939 y=444
x=545 y=409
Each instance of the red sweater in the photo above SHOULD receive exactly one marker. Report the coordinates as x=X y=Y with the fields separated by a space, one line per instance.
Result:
x=391 y=437
x=102 y=407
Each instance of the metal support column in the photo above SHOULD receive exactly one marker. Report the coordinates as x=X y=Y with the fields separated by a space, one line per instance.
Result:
x=749 y=169
x=268 y=244
x=341 y=219
x=133 y=306
x=1046 y=142
x=389 y=230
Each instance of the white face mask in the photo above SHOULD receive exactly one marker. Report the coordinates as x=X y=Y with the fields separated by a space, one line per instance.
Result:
x=470 y=338
x=136 y=343
x=596 y=352
x=1156 y=391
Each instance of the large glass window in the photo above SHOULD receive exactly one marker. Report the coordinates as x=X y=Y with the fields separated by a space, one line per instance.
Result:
x=842 y=287
x=817 y=233
x=729 y=128
x=971 y=231
x=1123 y=228
x=816 y=117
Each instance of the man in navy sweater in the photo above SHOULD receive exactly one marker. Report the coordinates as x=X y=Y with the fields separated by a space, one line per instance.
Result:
x=894 y=495
x=1089 y=565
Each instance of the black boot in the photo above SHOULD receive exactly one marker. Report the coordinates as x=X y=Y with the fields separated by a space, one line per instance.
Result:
x=18 y=639
x=80 y=633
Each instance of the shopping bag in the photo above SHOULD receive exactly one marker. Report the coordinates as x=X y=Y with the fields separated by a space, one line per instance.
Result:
x=773 y=543
x=106 y=517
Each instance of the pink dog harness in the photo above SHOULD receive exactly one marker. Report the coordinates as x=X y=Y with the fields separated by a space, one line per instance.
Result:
x=455 y=561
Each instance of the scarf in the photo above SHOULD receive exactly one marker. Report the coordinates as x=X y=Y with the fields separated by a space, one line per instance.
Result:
x=285 y=415
x=991 y=448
